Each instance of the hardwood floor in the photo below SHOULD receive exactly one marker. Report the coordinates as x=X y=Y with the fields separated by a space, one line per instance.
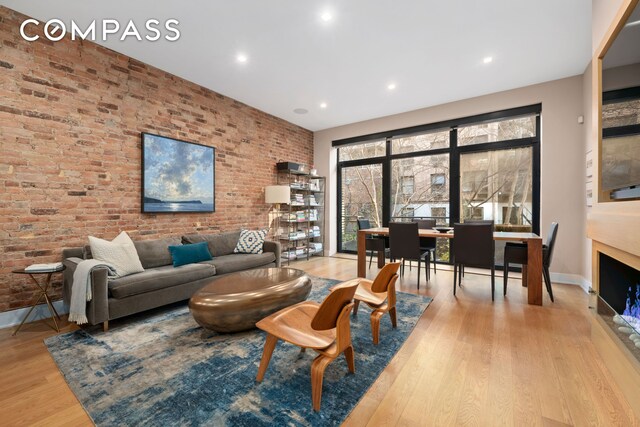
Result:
x=468 y=362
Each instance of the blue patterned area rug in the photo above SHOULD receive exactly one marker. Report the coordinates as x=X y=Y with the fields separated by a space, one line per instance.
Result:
x=164 y=369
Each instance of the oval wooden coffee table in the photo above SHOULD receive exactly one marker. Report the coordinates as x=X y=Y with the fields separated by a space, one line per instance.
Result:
x=237 y=301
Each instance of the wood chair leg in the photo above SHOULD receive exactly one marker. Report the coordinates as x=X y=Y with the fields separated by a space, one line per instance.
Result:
x=375 y=326
x=393 y=316
x=105 y=326
x=269 y=345
x=356 y=304
x=351 y=361
x=524 y=275
x=317 y=374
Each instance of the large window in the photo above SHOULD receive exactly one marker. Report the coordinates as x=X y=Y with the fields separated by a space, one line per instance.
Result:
x=481 y=167
x=361 y=194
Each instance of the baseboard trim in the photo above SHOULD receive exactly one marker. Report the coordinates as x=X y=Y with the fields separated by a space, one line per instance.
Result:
x=571 y=279
x=14 y=317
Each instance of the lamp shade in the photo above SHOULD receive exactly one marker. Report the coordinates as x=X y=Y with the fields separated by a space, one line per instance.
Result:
x=277 y=194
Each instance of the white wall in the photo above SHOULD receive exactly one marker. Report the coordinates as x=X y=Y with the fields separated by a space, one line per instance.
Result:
x=562 y=168
x=587 y=129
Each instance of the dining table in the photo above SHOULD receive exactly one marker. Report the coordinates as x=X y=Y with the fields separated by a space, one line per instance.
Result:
x=532 y=279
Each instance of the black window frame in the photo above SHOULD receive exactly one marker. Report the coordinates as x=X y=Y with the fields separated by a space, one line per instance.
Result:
x=454 y=152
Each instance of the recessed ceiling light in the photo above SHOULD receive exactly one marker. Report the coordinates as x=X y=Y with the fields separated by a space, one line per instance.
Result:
x=391 y=86
x=326 y=16
x=301 y=111
x=488 y=59
x=323 y=105
x=242 y=58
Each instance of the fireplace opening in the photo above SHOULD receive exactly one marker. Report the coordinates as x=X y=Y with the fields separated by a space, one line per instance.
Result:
x=619 y=301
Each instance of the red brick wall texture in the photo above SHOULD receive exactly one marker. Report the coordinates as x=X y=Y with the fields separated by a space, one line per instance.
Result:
x=71 y=114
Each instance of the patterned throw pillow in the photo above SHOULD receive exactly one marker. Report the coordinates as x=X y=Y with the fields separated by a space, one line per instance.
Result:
x=250 y=242
x=120 y=253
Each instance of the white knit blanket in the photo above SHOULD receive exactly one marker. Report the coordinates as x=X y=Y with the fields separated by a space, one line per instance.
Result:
x=81 y=289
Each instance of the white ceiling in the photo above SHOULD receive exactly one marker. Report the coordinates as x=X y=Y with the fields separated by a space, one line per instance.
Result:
x=433 y=50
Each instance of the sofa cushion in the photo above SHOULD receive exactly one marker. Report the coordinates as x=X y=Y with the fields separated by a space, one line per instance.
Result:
x=155 y=253
x=189 y=253
x=219 y=244
x=159 y=278
x=236 y=262
x=250 y=242
x=120 y=253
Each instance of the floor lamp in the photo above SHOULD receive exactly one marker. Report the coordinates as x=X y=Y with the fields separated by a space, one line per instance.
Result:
x=275 y=195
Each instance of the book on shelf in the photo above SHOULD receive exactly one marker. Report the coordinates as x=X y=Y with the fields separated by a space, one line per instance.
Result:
x=44 y=267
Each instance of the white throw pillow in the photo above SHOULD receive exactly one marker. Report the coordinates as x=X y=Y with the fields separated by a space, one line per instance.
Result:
x=250 y=242
x=120 y=253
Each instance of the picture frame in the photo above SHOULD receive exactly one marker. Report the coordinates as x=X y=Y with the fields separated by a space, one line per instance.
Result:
x=177 y=176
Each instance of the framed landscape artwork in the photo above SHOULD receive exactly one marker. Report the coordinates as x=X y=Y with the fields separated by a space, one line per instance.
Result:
x=177 y=176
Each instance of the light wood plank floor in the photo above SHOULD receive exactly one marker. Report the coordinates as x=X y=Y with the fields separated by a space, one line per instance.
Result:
x=468 y=362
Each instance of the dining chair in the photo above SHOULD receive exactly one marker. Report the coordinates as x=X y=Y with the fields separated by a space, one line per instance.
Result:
x=380 y=295
x=404 y=244
x=325 y=328
x=517 y=253
x=477 y=221
x=473 y=245
x=428 y=243
x=372 y=244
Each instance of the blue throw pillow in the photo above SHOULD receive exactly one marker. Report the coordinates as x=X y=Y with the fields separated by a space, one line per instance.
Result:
x=189 y=254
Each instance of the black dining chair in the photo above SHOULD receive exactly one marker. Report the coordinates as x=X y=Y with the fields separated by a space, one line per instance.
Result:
x=473 y=245
x=404 y=244
x=478 y=221
x=428 y=243
x=517 y=253
x=372 y=244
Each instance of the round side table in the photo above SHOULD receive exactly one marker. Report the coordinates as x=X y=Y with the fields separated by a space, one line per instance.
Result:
x=44 y=287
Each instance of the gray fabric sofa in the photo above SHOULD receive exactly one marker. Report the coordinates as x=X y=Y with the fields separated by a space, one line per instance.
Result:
x=161 y=283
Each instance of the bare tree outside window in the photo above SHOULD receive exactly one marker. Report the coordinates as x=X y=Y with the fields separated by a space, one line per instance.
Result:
x=361 y=198
x=363 y=151
x=502 y=130
x=501 y=183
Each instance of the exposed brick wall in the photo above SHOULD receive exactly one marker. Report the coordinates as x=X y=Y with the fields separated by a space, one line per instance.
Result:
x=71 y=114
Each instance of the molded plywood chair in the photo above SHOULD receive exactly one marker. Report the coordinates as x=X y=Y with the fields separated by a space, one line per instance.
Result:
x=380 y=295
x=517 y=253
x=404 y=244
x=473 y=245
x=428 y=243
x=372 y=244
x=324 y=328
